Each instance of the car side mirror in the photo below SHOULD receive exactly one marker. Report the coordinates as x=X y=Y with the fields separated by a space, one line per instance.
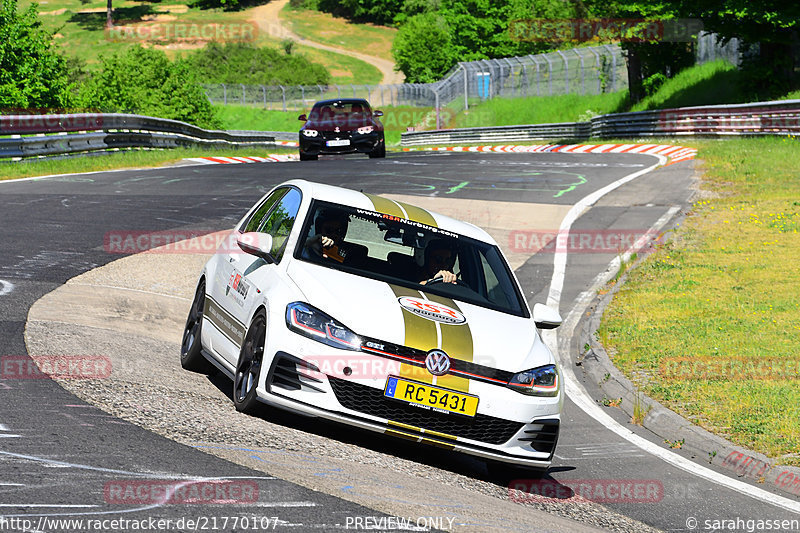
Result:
x=546 y=317
x=377 y=113
x=302 y=117
x=257 y=244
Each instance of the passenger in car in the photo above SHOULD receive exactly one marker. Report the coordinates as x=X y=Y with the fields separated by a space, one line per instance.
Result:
x=330 y=229
x=440 y=257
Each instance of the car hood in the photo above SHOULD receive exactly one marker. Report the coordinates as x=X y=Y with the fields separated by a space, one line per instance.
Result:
x=399 y=315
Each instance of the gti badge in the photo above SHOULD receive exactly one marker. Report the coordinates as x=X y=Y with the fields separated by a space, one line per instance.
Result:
x=437 y=362
x=336 y=129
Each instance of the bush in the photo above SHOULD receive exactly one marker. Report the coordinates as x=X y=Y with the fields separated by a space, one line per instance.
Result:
x=32 y=73
x=144 y=81
x=423 y=49
x=244 y=63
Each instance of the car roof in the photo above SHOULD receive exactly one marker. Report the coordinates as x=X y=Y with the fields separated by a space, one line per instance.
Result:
x=371 y=202
x=342 y=101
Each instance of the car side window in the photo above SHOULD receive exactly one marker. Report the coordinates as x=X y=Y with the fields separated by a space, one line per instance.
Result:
x=280 y=221
x=258 y=216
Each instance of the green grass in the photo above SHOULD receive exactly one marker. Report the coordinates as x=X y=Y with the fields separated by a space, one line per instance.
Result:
x=324 y=28
x=721 y=298
x=540 y=110
x=239 y=117
x=81 y=33
x=115 y=160
x=713 y=83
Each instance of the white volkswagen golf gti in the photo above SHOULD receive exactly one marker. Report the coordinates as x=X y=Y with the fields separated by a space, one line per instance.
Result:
x=375 y=313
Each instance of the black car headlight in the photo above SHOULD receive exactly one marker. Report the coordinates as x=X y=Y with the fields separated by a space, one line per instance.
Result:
x=314 y=324
x=365 y=129
x=541 y=381
x=310 y=133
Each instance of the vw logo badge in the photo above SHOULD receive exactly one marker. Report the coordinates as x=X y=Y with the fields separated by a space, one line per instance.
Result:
x=437 y=362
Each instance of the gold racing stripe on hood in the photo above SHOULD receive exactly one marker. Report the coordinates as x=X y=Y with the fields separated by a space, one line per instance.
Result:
x=417 y=214
x=457 y=343
x=420 y=334
x=384 y=205
x=402 y=210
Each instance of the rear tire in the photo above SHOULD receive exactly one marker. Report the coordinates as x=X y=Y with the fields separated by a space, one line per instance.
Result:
x=191 y=346
x=248 y=368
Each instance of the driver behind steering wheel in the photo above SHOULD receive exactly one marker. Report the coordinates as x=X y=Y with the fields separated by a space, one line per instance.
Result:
x=440 y=256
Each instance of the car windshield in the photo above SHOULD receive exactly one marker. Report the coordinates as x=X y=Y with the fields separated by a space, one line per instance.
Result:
x=332 y=110
x=408 y=253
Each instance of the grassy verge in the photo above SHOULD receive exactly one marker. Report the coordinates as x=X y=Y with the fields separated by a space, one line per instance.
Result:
x=79 y=27
x=336 y=31
x=708 y=324
x=117 y=160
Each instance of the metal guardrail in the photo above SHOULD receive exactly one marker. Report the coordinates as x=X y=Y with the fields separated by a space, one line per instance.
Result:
x=762 y=118
x=24 y=136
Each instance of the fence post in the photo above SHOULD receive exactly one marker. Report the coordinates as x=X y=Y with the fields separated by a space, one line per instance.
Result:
x=303 y=94
x=599 y=69
x=244 y=98
x=613 y=68
x=283 y=96
x=549 y=74
x=438 y=118
x=583 y=71
x=354 y=90
x=264 y=94
x=224 y=94
x=338 y=92
x=466 y=87
x=566 y=71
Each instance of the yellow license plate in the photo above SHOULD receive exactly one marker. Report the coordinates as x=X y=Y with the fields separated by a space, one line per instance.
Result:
x=431 y=397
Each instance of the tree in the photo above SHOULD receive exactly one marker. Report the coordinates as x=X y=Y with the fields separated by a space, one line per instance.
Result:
x=144 y=81
x=422 y=49
x=771 y=24
x=32 y=73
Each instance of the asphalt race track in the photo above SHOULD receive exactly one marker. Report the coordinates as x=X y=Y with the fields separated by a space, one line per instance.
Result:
x=61 y=455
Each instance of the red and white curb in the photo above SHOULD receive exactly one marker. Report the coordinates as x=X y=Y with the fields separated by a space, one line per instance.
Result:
x=671 y=152
x=271 y=158
x=291 y=144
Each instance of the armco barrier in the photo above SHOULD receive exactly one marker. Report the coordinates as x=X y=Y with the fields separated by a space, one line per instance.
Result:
x=762 y=118
x=44 y=135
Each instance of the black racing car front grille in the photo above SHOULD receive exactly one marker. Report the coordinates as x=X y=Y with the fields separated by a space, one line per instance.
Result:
x=371 y=401
x=544 y=438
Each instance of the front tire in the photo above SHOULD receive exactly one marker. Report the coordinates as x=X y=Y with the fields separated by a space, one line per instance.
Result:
x=307 y=157
x=248 y=368
x=191 y=347
x=378 y=152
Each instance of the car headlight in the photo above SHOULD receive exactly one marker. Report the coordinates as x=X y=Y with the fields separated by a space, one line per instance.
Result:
x=541 y=381
x=313 y=323
x=310 y=133
x=365 y=129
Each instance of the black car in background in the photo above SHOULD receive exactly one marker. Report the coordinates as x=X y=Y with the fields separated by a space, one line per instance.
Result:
x=341 y=126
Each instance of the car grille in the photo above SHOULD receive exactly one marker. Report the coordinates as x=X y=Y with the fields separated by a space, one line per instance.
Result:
x=544 y=438
x=371 y=401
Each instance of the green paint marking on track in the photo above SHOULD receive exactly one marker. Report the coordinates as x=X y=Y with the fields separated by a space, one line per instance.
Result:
x=457 y=187
x=571 y=186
